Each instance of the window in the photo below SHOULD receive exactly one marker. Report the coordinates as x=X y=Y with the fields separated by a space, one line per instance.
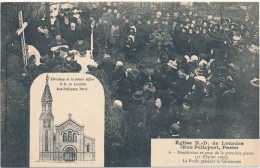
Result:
x=44 y=107
x=74 y=137
x=46 y=146
x=49 y=106
x=88 y=148
x=46 y=135
x=64 y=137
x=69 y=136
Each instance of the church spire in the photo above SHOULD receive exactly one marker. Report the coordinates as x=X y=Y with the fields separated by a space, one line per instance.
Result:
x=46 y=97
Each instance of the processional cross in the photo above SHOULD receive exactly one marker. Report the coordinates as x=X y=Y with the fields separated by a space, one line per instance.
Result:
x=20 y=32
x=92 y=39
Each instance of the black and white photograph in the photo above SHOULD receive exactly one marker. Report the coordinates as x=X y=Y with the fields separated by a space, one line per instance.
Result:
x=91 y=84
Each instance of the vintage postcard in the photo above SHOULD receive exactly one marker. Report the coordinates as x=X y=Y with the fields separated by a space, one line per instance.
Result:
x=129 y=84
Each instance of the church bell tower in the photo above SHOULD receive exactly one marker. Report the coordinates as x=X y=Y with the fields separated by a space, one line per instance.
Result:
x=46 y=147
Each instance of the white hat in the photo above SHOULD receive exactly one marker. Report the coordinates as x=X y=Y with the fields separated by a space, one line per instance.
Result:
x=133 y=27
x=194 y=58
x=202 y=63
x=129 y=70
x=200 y=78
x=236 y=38
x=118 y=104
x=119 y=64
x=187 y=58
x=172 y=64
x=159 y=13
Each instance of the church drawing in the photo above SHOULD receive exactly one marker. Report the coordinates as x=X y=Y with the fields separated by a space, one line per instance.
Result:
x=65 y=142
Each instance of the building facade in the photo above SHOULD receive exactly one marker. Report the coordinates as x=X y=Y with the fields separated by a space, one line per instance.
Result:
x=65 y=142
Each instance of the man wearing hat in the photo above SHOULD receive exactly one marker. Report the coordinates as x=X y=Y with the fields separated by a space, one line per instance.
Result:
x=107 y=64
x=44 y=40
x=162 y=81
x=61 y=15
x=58 y=41
x=115 y=33
x=196 y=41
x=191 y=40
x=182 y=44
x=175 y=30
x=209 y=102
x=107 y=19
x=81 y=45
x=149 y=104
x=197 y=93
x=64 y=27
x=82 y=27
x=137 y=107
x=148 y=29
x=183 y=85
x=138 y=141
x=205 y=40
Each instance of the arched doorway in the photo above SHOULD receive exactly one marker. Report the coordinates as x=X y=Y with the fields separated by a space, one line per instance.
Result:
x=70 y=154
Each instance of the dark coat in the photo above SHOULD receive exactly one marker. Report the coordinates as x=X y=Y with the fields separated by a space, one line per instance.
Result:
x=182 y=44
x=72 y=36
x=184 y=86
x=54 y=43
x=43 y=43
x=162 y=82
x=107 y=65
x=209 y=102
x=208 y=107
x=227 y=99
x=118 y=74
x=205 y=40
x=14 y=65
x=31 y=69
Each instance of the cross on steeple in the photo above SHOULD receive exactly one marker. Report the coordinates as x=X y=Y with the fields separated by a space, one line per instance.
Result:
x=69 y=115
x=47 y=79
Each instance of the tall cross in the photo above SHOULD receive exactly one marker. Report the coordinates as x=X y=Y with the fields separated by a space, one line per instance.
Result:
x=20 y=32
x=92 y=39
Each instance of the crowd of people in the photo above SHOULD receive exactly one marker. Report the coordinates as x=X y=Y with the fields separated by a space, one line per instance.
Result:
x=204 y=68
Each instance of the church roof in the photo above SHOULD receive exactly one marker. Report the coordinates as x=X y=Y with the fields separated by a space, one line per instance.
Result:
x=46 y=96
x=69 y=119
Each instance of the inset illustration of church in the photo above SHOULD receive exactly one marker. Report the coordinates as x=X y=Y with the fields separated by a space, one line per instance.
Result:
x=67 y=142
